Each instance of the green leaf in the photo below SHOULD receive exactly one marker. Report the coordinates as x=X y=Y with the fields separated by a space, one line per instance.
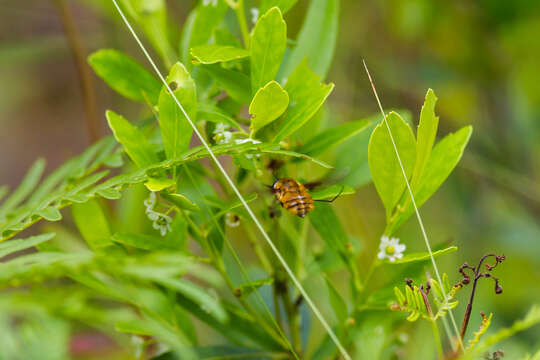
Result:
x=125 y=75
x=26 y=186
x=283 y=5
x=422 y=256
x=306 y=95
x=338 y=303
x=267 y=47
x=425 y=137
x=12 y=246
x=110 y=193
x=332 y=137
x=203 y=21
x=216 y=115
x=92 y=223
x=267 y=105
x=236 y=84
x=385 y=170
x=211 y=54
x=145 y=242
x=197 y=295
x=176 y=130
x=158 y=184
x=135 y=143
x=151 y=16
x=326 y=223
x=50 y=213
x=248 y=288
x=317 y=38
x=444 y=158
x=332 y=191
x=181 y=202
x=296 y=155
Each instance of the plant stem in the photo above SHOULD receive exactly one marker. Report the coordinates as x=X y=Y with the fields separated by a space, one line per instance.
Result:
x=83 y=72
x=294 y=320
x=259 y=251
x=437 y=338
x=239 y=9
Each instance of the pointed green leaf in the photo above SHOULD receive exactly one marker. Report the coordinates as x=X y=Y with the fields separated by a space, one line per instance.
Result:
x=50 y=213
x=267 y=105
x=26 y=186
x=267 y=48
x=236 y=84
x=385 y=169
x=422 y=256
x=12 y=246
x=158 y=184
x=175 y=128
x=332 y=137
x=92 y=223
x=327 y=224
x=425 y=137
x=443 y=159
x=317 y=38
x=211 y=54
x=306 y=95
x=135 y=143
x=337 y=302
x=332 y=191
x=181 y=202
x=248 y=288
x=125 y=75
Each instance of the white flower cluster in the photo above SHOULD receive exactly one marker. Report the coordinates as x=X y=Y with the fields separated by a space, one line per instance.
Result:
x=254 y=15
x=390 y=249
x=222 y=135
x=160 y=221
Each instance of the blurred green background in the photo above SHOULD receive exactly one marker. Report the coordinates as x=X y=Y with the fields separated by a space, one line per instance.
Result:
x=482 y=58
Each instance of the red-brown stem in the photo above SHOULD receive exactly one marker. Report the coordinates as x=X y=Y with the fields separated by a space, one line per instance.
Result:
x=83 y=71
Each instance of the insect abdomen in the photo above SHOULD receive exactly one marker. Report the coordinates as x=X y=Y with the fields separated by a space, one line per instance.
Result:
x=298 y=204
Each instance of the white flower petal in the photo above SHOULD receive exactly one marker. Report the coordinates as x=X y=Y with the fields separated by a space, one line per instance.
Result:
x=381 y=255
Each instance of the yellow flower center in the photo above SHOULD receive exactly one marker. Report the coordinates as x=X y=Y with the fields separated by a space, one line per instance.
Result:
x=390 y=249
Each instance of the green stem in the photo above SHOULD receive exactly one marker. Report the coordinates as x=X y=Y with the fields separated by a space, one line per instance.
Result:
x=239 y=9
x=259 y=250
x=294 y=320
x=437 y=338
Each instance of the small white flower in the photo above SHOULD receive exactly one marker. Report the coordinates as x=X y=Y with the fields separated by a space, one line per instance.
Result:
x=254 y=15
x=390 y=249
x=151 y=201
x=208 y=2
x=232 y=220
x=246 y=140
x=220 y=128
x=223 y=137
x=160 y=221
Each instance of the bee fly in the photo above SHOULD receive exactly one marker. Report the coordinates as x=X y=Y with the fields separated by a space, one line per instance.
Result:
x=294 y=196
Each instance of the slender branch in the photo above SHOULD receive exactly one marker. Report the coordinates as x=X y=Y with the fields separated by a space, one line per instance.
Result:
x=83 y=72
x=239 y=9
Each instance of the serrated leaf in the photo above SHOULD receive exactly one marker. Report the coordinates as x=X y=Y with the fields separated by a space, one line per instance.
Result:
x=385 y=169
x=422 y=256
x=132 y=139
x=211 y=54
x=267 y=47
x=442 y=161
x=425 y=136
x=181 y=201
x=317 y=38
x=125 y=75
x=267 y=105
x=92 y=223
x=158 y=184
x=328 y=138
x=12 y=246
x=50 y=213
x=306 y=96
x=175 y=128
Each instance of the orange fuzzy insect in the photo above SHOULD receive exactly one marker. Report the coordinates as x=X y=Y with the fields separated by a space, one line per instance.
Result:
x=294 y=196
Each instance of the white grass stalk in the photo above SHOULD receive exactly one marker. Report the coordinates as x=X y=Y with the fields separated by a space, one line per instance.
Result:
x=296 y=282
x=420 y=222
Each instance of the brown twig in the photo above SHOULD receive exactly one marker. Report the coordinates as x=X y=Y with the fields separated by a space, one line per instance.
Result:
x=83 y=71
